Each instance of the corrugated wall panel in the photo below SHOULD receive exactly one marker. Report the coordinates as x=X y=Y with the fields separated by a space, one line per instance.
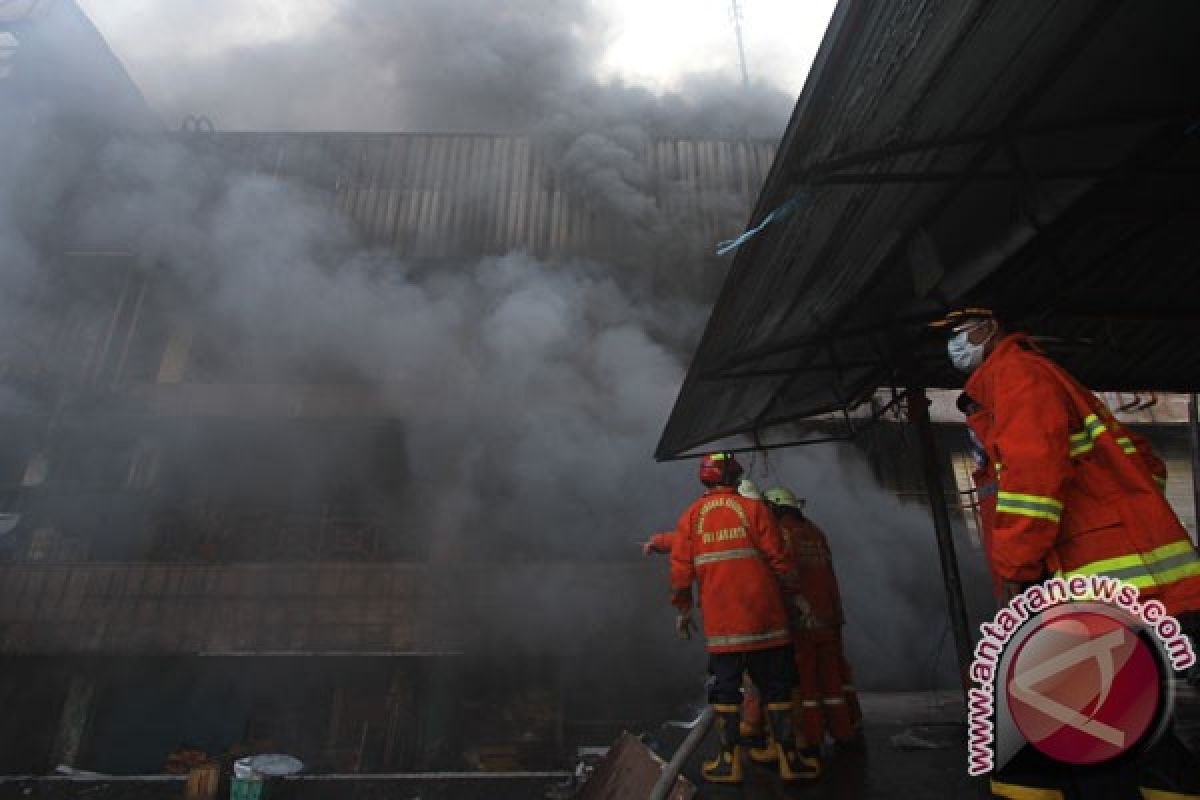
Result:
x=506 y=201
x=439 y=191
x=516 y=235
x=538 y=236
x=434 y=196
x=464 y=206
x=475 y=240
x=431 y=180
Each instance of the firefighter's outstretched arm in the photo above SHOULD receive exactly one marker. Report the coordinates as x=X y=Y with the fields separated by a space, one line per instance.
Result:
x=683 y=569
x=658 y=543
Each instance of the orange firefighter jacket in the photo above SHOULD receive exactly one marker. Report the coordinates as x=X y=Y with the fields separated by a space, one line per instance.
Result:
x=985 y=494
x=814 y=577
x=1077 y=493
x=731 y=546
x=984 y=477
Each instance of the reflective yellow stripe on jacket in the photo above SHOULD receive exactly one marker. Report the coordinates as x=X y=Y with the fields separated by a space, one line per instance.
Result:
x=748 y=638
x=1029 y=505
x=1084 y=441
x=1159 y=567
x=726 y=555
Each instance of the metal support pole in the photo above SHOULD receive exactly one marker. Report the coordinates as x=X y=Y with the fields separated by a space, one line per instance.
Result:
x=918 y=416
x=670 y=773
x=1194 y=427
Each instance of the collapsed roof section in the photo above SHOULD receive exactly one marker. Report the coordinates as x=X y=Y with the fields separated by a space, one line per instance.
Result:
x=1037 y=158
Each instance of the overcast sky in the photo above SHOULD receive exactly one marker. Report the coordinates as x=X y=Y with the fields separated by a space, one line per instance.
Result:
x=340 y=63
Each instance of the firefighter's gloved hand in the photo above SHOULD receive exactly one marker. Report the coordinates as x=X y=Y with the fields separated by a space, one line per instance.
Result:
x=1014 y=588
x=800 y=613
x=684 y=625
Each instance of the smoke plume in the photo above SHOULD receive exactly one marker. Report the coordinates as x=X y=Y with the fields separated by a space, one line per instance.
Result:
x=425 y=65
x=532 y=391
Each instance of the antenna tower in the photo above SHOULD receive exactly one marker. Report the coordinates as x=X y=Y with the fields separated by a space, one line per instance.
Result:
x=735 y=12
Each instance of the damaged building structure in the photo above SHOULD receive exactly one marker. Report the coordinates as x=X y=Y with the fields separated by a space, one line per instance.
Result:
x=179 y=570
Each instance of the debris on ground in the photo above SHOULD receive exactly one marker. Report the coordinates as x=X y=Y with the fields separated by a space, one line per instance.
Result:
x=909 y=740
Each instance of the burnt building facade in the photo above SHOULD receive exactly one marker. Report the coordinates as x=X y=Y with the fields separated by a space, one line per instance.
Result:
x=202 y=546
x=201 y=551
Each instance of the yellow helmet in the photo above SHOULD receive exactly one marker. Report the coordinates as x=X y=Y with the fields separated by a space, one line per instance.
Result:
x=779 y=496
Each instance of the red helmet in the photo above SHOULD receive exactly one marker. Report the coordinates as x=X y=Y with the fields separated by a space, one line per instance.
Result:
x=720 y=468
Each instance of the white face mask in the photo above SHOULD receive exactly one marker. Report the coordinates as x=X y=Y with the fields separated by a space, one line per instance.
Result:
x=964 y=355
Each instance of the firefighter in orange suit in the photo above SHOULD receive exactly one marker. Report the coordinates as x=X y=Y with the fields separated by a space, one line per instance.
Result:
x=732 y=548
x=817 y=630
x=661 y=543
x=751 y=727
x=1077 y=493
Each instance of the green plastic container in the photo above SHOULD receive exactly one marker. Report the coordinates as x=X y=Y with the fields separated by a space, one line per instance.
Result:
x=249 y=789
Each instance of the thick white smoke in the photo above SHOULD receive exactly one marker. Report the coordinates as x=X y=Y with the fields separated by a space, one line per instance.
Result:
x=532 y=392
x=418 y=65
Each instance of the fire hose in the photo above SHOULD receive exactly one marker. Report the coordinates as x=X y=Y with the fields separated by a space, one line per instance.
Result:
x=670 y=772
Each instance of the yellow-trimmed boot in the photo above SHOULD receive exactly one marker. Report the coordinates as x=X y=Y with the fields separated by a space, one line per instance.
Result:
x=1017 y=791
x=767 y=754
x=793 y=765
x=727 y=766
x=753 y=737
x=809 y=763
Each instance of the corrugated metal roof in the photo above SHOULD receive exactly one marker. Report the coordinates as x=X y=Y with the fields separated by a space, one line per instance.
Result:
x=1035 y=157
x=466 y=195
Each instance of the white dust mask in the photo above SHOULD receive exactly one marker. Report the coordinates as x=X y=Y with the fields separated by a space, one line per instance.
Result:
x=964 y=355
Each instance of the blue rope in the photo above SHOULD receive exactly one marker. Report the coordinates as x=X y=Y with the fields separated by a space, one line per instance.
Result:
x=802 y=199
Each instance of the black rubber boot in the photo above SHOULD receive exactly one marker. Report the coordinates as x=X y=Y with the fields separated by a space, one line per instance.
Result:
x=1169 y=770
x=793 y=765
x=727 y=766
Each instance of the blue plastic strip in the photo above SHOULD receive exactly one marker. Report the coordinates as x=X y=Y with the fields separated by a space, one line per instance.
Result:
x=779 y=213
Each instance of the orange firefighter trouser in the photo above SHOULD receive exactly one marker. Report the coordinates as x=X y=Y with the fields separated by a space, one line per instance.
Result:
x=822 y=698
x=849 y=689
x=752 y=710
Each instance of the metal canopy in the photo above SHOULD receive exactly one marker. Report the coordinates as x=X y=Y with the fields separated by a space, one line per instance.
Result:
x=1038 y=158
